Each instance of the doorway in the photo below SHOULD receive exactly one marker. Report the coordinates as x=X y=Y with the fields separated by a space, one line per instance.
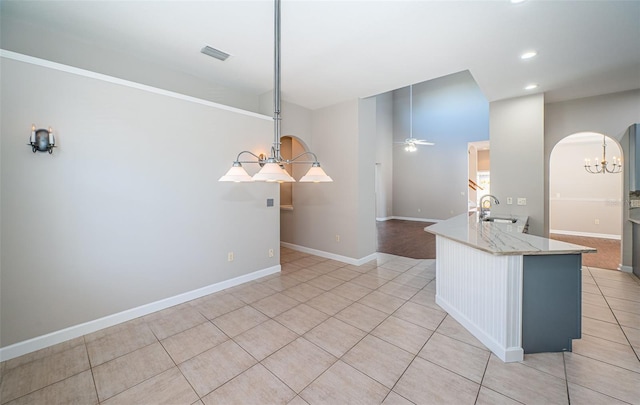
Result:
x=479 y=164
x=586 y=208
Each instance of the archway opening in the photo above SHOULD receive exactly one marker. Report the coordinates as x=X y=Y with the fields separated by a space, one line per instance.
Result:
x=586 y=208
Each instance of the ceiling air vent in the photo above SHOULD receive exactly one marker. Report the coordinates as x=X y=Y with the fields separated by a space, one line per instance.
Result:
x=215 y=53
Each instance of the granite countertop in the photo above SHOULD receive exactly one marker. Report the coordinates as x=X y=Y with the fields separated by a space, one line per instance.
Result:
x=634 y=215
x=501 y=238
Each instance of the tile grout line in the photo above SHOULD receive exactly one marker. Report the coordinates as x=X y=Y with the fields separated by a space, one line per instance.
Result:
x=616 y=318
x=566 y=378
x=93 y=377
x=355 y=344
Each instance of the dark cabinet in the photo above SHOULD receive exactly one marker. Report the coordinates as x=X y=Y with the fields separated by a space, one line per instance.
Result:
x=635 y=241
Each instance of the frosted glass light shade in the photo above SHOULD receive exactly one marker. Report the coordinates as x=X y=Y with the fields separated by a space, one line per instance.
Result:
x=272 y=172
x=316 y=175
x=236 y=174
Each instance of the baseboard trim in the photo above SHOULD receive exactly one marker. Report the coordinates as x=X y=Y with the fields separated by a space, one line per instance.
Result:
x=409 y=219
x=626 y=269
x=328 y=255
x=72 y=332
x=586 y=234
x=506 y=354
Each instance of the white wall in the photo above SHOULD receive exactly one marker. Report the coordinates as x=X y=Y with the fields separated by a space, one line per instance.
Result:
x=432 y=182
x=128 y=210
x=582 y=203
x=517 y=157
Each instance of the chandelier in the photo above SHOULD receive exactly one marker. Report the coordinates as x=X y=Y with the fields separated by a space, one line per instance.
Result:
x=602 y=166
x=273 y=165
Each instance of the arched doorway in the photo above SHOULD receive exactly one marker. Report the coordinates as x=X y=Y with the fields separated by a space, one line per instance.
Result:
x=586 y=208
x=290 y=147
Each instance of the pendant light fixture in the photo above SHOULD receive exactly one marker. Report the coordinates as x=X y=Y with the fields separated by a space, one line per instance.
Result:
x=273 y=166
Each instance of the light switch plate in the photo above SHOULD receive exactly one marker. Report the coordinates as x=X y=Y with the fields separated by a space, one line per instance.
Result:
x=522 y=201
x=509 y=200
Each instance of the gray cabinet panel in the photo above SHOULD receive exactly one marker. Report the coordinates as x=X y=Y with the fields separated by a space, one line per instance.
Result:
x=551 y=302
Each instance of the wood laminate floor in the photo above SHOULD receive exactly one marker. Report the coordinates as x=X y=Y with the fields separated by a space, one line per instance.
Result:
x=607 y=257
x=406 y=238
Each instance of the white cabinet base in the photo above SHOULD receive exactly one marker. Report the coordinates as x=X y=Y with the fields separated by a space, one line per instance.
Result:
x=483 y=292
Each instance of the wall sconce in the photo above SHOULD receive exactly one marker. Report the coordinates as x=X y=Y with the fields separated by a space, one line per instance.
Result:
x=42 y=140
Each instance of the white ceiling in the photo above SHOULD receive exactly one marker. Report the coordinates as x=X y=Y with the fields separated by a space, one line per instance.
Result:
x=333 y=51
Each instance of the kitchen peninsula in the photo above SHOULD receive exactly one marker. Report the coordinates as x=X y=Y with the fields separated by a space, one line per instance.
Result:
x=517 y=293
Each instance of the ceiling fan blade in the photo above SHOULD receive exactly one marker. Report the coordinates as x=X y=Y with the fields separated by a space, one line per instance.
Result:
x=423 y=142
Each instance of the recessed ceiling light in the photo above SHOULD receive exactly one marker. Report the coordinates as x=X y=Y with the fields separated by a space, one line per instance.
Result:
x=528 y=55
x=517 y=1
x=531 y=86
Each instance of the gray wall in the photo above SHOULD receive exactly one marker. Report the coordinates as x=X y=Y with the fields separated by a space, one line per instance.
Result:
x=365 y=209
x=345 y=144
x=609 y=114
x=128 y=209
x=432 y=182
x=517 y=157
x=20 y=35
x=384 y=155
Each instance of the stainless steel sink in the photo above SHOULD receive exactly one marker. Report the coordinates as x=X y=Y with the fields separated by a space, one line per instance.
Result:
x=503 y=220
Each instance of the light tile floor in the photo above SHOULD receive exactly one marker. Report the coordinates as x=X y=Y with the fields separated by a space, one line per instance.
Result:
x=322 y=332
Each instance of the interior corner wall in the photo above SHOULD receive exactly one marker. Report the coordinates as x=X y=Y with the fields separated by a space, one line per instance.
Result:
x=127 y=210
x=322 y=212
x=517 y=157
x=432 y=182
x=384 y=155
x=367 y=137
x=609 y=114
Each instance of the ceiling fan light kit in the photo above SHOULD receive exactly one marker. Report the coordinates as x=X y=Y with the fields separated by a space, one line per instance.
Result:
x=410 y=144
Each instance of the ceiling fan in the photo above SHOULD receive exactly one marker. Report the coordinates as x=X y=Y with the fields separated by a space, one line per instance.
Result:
x=410 y=144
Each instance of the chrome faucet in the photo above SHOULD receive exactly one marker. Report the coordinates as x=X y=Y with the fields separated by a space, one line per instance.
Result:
x=483 y=211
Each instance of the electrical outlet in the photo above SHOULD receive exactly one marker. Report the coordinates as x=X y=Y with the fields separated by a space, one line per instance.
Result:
x=522 y=201
x=337 y=238
x=509 y=200
x=597 y=222
x=230 y=256
x=270 y=252
x=419 y=210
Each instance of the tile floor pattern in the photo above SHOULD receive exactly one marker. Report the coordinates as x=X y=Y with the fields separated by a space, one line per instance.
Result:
x=322 y=332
